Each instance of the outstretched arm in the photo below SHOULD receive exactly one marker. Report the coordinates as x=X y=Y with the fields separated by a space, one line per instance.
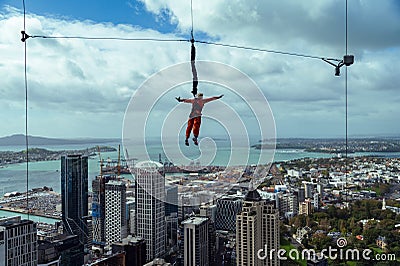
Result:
x=213 y=98
x=179 y=99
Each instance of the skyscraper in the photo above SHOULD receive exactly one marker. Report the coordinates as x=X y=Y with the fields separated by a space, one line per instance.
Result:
x=227 y=209
x=131 y=215
x=209 y=211
x=308 y=190
x=301 y=194
x=196 y=241
x=171 y=202
x=18 y=242
x=74 y=192
x=116 y=221
x=150 y=208
x=134 y=248
x=257 y=228
x=99 y=209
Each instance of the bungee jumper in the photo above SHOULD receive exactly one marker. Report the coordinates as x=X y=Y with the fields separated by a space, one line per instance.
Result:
x=194 y=121
x=197 y=102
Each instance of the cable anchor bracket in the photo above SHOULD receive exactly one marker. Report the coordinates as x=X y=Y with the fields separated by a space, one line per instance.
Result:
x=348 y=60
x=25 y=36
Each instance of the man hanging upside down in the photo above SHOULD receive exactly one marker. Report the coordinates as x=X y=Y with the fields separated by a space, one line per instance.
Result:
x=195 y=115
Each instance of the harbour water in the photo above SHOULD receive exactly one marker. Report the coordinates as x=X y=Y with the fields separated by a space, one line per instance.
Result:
x=47 y=173
x=25 y=216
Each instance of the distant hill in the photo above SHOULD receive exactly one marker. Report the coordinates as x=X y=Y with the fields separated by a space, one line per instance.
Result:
x=19 y=139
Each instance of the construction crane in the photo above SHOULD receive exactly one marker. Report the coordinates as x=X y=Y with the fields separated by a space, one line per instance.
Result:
x=119 y=161
x=101 y=161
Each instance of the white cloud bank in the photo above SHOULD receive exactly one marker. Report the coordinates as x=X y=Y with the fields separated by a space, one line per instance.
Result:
x=81 y=88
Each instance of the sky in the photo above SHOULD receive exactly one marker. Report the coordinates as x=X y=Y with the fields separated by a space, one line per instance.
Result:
x=82 y=88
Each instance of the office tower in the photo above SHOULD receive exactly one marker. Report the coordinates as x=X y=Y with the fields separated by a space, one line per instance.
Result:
x=132 y=222
x=150 y=208
x=18 y=242
x=320 y=189
x=130 y=215
x=196 y=241
x=172 y=230
x=116 y=221
x=63 y=250
x=308 y=190
x=134 y=248
x=257 y=228
x=99 y=209
x=47 y=253
x=74 y=193
x=316 y=201
x=210 y=211
x=301 y=196
x=171 y=202
x=227 y=209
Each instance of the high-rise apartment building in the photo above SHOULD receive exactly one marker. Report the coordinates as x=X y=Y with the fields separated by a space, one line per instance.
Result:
x=99 y=209
x=227 y=209
x=116 y=220
x=18 y=242
x=150 y=208
x=257 y=231
x=306 y=207
x=308 y=190
x=74 y=193
x=196 y=241
x=287 y=204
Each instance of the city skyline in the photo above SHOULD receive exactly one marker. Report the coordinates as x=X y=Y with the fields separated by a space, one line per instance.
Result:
x=91 y=82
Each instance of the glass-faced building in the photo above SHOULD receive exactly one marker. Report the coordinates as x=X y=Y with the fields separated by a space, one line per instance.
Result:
x=74 y=192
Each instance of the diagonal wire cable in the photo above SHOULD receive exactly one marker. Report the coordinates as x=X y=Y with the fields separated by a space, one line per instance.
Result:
x=186 y=40
x=267 y=50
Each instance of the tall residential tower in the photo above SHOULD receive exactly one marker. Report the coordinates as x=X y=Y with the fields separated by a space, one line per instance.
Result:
x=150 y=208
x=257 y=232
x=116 y=220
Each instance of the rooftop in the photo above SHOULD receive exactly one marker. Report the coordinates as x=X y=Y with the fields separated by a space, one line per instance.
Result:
x=195 y=220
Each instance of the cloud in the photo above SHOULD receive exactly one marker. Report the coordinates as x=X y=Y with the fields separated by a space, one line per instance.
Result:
x=72 y=76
